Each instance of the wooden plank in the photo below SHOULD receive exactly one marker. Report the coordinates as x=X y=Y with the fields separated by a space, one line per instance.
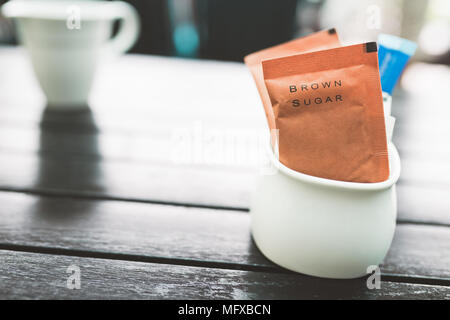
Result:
x=191 y=185
x=420 y=204
x=207 y=185
x=183 y=233
x=37 y=276
x=419 y=250
x=426 y=166
x=160 y=147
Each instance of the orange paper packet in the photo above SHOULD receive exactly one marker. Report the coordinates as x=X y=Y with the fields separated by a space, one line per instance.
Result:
x=313 y=42
x=328 y=108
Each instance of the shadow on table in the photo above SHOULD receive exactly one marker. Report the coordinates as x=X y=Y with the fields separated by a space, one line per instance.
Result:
x=66 y=138
x=300 y=286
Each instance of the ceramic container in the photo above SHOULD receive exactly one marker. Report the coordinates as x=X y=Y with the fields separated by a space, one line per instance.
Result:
x=66 y=39
x=321 y=227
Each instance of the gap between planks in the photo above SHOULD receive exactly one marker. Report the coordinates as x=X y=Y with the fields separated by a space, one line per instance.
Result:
x=92 y=196
x=200 y=263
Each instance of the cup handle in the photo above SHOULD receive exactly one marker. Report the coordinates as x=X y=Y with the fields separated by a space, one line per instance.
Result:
x=129 y=27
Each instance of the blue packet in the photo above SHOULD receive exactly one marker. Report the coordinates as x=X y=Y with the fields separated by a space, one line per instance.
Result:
x=393 y=54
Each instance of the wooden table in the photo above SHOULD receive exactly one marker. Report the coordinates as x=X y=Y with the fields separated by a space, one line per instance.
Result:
x=100 y=189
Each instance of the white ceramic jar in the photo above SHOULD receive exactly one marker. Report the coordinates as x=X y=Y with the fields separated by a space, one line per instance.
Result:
x=67 y=39
x=321 y=227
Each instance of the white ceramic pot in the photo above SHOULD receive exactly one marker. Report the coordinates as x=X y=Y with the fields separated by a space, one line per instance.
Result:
x=66 y=39
x=321 y=227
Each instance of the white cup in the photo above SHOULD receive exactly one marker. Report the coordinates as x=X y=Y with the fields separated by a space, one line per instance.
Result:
x=65 y=40
x=322 y=227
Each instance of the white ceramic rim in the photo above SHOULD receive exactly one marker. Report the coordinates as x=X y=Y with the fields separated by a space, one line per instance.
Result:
x=394 y=174
x=57 y=10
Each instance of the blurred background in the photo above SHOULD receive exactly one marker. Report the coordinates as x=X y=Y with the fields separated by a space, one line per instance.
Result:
x=230 y=29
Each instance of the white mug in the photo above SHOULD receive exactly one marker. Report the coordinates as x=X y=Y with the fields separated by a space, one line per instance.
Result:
x=65 y=40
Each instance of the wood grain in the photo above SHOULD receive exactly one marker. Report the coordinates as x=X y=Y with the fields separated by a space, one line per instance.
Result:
x=216 y=236
x=196 y=185
x=38 y=276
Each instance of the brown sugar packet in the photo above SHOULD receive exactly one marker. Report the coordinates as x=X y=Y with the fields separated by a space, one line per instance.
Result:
x=316 y=41
x=328 y=107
